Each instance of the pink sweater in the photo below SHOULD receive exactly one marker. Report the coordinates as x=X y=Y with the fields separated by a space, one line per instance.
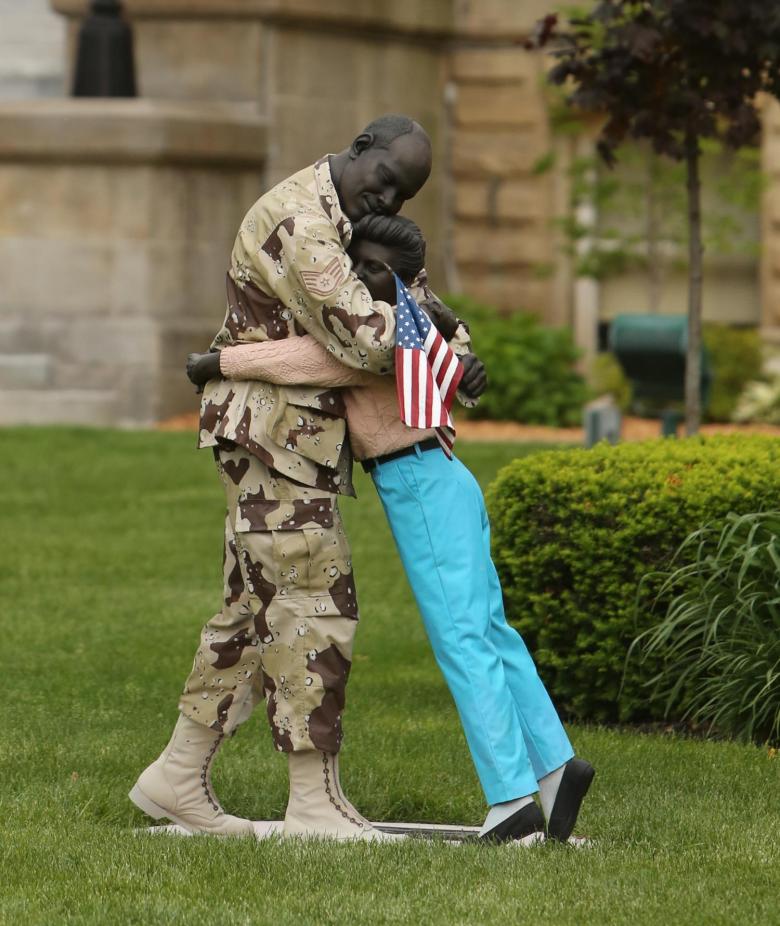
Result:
x=373 y=417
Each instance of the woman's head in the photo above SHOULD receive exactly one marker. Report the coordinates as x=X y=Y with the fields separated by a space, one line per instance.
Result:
x=379 y=241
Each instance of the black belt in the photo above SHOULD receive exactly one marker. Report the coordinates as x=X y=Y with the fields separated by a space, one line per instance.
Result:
x=430 y=444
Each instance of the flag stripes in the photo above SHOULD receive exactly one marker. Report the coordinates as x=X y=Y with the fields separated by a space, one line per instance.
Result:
x=427 y=371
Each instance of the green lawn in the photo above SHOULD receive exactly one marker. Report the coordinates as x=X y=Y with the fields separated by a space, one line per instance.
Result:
x=111 y=563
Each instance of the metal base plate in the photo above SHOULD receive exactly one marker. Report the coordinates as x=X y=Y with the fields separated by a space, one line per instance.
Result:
x=448 y=832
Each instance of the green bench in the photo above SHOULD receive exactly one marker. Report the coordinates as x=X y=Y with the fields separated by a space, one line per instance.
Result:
x=651 y=350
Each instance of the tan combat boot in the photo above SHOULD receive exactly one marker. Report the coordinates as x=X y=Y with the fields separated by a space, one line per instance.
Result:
x=177 y=785
x=317 y=807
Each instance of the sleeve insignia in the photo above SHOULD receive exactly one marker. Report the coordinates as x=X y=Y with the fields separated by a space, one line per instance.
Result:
x=324 y=282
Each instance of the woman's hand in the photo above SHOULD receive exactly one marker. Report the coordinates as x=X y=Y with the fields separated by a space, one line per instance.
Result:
x=474 y=381
x=441 y=315
x=203 y=367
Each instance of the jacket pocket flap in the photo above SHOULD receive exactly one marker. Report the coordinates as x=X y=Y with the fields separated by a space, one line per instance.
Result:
x=312 y=434
x=275 y=515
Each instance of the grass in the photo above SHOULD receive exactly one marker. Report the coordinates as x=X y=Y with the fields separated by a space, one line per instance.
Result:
x=111 y=563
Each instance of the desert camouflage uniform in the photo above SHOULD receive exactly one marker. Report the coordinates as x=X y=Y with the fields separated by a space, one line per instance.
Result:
x=290 y=610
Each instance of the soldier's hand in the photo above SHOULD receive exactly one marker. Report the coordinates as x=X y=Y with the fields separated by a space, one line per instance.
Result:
x=441 y=315
x=203 y=367
x=474 y=381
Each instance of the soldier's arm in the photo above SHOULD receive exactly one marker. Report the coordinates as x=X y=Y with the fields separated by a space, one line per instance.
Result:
x=301 y=361
x=304 y=264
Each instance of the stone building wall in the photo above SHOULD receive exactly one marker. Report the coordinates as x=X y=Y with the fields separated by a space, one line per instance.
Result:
x=32 y=61
x=770 y=225
x=502 y=234
x=504 y=246
x=321 y=69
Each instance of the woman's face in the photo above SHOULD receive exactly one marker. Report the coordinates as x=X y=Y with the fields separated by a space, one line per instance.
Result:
x=370 y=262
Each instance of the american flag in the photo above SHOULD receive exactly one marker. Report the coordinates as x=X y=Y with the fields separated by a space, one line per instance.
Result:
x=427 y=372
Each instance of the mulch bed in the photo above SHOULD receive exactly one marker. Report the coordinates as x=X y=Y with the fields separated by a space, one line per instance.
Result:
x=634 y=429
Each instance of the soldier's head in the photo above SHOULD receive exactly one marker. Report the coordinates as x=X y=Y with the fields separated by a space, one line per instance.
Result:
x=383 y=167
x=383 y=245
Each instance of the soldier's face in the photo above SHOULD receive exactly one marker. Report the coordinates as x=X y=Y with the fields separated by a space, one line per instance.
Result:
x=378 y=181
x=372 y=263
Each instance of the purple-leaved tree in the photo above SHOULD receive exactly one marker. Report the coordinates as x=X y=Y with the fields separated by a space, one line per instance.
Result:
x=672 y=72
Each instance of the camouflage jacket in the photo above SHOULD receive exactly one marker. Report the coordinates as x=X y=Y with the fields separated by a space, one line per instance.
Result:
x=290 y=274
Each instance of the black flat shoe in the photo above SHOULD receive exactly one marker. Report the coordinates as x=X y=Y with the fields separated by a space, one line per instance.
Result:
x=574 y=785
x=525 y=822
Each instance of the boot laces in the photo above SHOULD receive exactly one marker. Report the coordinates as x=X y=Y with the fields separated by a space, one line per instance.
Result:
x=331 y=797
x=205 y=776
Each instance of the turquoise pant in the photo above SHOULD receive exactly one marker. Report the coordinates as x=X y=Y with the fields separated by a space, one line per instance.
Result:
x=438 y=519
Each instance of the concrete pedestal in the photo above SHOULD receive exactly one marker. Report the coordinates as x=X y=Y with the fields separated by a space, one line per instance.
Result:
x=116 y=222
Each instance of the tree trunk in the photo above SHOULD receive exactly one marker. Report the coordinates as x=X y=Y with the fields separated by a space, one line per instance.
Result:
x=695 y=251
x=653 y=234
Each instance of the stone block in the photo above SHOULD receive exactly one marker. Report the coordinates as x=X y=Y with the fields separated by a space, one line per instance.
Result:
x=92 y=376
x=771 y=208
x=114 y=342
x=498 y=153
x=137 y=399
x=174 y=394
x=503 y=105
x=499 y=200
x=216 y=205
x=54 y=201
x=495 y=65
x=770 y=150
x=31 y=49
x=512 y=246
x=771 y=253
x=16 y=334
x=57 y=406
x=132 y=131
x=433 y=17
x=509 y=290
x=56 y=276
x=396 y=72
x=171 y=63
x=304 y=65
x=303 y=133
x=770 y=334
x=770 y=307
x=204 y=295
x=177 y=339
x=501 y=19
x=318 y=108
x=25 y=371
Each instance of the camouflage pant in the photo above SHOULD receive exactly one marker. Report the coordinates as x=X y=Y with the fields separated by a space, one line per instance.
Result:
x=289 y=611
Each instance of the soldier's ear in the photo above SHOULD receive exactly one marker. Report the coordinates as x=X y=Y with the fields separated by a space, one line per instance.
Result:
x=362 y=143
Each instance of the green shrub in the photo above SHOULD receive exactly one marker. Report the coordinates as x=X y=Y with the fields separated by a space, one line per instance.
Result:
x=607 y=377
x=531 y=367
x=574 y=532
x=735 y=354
x=720 y=639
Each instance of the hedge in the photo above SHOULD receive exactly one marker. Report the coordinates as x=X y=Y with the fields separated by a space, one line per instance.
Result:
x=531 y=367
x=736 y=357
x=574 y=532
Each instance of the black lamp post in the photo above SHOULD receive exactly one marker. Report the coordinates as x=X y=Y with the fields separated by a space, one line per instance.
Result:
x=104 y=59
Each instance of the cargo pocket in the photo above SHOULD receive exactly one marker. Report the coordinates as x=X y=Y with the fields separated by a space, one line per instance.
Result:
x=281 y=539
x=330 y=576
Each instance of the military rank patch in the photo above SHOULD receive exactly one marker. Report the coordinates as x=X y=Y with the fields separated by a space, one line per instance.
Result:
x=324 y=282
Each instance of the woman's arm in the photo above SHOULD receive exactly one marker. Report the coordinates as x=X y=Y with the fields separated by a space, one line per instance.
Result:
x=299 y=361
